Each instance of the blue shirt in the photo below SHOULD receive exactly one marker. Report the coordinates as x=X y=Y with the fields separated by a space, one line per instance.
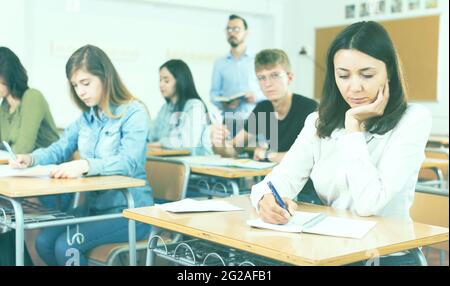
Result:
x=231 y=76
x=181 y=130
x=112 y=146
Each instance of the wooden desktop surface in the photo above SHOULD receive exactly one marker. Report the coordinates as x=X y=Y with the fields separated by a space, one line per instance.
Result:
x=230 y=229
x=15 y=187
x=166 y=152
x=228 y=173
x=440 y=139
x=434 y=163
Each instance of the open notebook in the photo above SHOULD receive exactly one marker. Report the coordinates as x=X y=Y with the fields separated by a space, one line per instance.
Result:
x=217 y=161
x=190 y=205
x=37 y=171
x=229 y=98
x=319 y=223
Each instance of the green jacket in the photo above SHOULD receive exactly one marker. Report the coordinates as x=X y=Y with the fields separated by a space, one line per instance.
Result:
x=30 y=126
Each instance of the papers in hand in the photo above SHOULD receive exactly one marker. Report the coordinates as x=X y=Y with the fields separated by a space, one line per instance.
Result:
x=217 y=161
x=317 y=223
x=190 y=205
x=229 y=98
x=37 y=171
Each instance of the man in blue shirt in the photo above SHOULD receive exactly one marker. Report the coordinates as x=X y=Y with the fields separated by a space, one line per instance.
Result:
x=235 y=74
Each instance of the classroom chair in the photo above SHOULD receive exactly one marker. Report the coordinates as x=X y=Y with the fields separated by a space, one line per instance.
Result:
x=430 y=206
x=435 y=170
x=168 y=180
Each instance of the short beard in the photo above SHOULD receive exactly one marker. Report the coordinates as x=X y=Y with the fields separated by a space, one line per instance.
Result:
x=234 y=44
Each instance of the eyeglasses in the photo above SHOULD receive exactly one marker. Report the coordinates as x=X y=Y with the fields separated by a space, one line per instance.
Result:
x=272 y=76
x=233 y=29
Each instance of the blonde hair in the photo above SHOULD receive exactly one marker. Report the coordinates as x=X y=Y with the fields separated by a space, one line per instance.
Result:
x=269 y=58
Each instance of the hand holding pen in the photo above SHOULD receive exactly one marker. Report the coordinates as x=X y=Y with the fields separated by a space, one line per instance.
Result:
x=274 y=209
x=17 y=161
x=22 y=161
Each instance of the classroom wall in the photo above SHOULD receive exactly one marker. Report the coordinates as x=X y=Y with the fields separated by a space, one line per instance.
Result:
x=12 y=25
x=138 y=35
x=303 y=17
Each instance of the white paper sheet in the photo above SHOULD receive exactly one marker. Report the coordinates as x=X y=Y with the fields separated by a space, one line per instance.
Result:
x=331 y=226
x=37 y=171
x=217 y=161
x=295 y=224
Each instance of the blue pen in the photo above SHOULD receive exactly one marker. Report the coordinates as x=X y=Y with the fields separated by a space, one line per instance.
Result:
x=277 y=197
x=10 y=151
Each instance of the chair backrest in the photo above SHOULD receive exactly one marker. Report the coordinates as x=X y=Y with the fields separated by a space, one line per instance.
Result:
x=168 y=178
x=440 y=154
x=430 y=206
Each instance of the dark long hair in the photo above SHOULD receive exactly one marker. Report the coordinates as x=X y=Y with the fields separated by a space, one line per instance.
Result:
x=372 y=39
x=13 y=72
x=95 y=61
x=185 y=86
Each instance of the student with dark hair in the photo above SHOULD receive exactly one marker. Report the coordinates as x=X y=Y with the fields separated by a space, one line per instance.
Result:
x=181 y=122
x=233 y=75
x=111 y=136
x=26 y=123
x=364 y=147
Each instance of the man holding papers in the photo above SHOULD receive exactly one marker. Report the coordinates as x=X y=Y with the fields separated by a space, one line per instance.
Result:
x=234 y=87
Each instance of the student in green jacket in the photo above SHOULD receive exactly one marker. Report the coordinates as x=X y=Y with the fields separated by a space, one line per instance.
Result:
x=25 y=119
x=25 y=123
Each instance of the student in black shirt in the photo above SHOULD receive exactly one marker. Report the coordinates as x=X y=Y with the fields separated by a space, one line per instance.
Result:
x=276 y=122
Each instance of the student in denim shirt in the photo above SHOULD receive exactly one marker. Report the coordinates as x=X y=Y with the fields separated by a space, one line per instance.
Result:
x=181 y=122
x=111 y=137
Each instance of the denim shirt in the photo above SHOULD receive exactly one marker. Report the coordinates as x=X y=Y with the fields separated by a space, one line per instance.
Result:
x=112 y=146
x=181 y=130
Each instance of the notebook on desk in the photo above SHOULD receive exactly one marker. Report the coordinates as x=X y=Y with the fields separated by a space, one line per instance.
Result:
x=37 y=171
x=217 y=161
x=319 y=223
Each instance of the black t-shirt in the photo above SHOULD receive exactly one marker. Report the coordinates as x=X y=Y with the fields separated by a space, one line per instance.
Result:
x=280 y=134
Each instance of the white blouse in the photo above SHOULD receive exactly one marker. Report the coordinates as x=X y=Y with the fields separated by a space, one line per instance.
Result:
x=366 y=173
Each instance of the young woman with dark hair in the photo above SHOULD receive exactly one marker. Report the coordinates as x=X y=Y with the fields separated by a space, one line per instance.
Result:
x=181 y=122
x=26 y=124
x=364 y=148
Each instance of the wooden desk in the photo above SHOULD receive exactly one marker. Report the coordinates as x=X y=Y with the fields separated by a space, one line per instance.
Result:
x=159 y=152
x=32 y=187
x=230 y=229
x=12 y=189
x=439 y=140
x=3 y=157
x=228 y=173
x=430 y=163
x=232 y=174
x=438 y=171
x=205 y=166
